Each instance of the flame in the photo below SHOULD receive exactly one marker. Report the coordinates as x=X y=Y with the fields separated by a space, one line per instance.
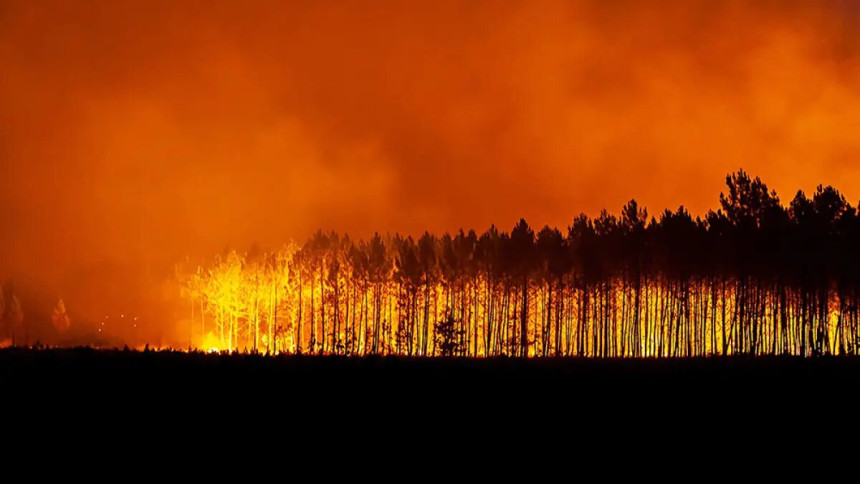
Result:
x=285 y=303
x=211 y=343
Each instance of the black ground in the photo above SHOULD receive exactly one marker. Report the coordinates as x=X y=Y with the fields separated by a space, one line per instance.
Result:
x=433 y=413
x=426 y=397
x=571 y=380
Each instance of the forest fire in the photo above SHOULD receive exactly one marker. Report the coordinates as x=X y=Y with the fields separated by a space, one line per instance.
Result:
x=430 y=222
x=248 y=124
x=751 y=278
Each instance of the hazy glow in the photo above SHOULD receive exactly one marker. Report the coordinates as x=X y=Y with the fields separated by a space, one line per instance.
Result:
x=133 y=133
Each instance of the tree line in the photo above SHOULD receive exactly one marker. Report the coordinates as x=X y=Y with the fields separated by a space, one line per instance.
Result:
x=753 y=277
x=16 y=329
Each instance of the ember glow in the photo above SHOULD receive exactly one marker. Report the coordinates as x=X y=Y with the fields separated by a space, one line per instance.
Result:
x=134 y=134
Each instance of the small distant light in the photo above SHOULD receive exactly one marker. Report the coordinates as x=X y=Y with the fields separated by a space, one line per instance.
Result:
x=122 y=315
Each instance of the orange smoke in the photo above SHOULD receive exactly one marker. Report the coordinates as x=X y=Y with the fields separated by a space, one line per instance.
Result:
x=133 y=133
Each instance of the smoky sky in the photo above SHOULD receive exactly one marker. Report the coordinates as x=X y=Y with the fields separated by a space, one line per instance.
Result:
x=133 y=134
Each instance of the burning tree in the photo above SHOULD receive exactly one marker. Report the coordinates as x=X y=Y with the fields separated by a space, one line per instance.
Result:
x=60 y=318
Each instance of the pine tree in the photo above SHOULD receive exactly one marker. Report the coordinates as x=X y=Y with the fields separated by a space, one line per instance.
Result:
x=60 y=318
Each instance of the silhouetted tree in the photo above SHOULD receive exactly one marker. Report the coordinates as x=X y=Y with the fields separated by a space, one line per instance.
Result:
x=15 y=320
x=447 y=337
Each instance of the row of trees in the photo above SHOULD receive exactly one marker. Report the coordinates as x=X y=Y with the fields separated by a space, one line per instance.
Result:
x=753 y=277
x=15 y=329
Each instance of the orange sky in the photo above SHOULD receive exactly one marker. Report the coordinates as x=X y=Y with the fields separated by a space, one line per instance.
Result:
x=135 y=132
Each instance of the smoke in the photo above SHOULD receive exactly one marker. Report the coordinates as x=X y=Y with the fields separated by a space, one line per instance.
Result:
x=135 y=133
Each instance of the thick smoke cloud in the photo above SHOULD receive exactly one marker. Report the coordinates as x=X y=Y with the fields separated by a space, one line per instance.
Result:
x=134 y=133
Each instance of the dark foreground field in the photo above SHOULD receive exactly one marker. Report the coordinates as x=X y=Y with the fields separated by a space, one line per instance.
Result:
x=439 y=377
x=425 y=397
x=389 y=379
x=119 y=369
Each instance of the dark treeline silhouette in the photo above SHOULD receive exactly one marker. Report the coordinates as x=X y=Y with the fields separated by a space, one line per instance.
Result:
x=753 y=277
